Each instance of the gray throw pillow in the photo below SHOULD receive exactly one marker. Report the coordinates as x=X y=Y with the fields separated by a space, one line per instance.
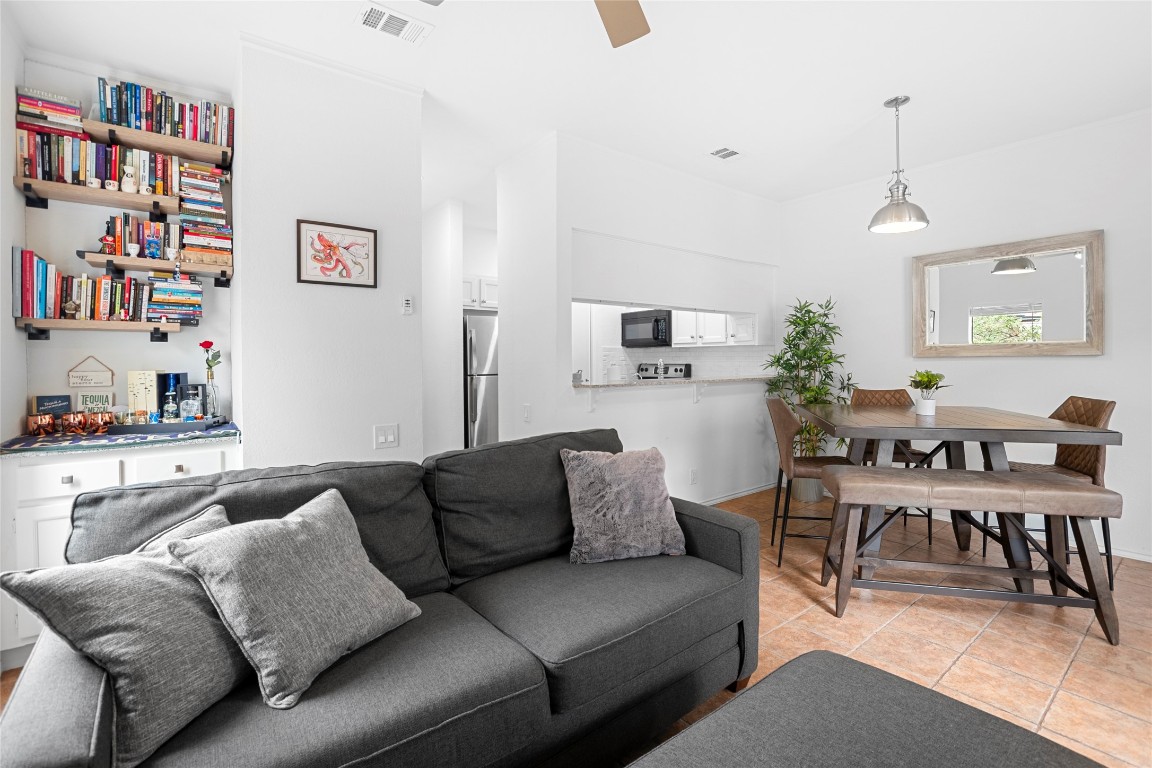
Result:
x=146 y=620
x=620 y=506
x=296 y=593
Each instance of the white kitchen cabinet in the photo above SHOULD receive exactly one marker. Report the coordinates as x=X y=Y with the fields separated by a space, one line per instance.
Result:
x=684 y=328
x=712 y=327
x=480 y=292
x=742 y=328
x=693 y=329
x=38 y=489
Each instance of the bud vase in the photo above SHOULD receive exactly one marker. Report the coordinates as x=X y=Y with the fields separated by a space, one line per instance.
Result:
x=211 y=397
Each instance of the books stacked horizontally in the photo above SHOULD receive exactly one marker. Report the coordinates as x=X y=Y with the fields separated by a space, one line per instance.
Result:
x=48 y=108
x=40 y=291
x=175 y=298
x=206 y=236
x=150 y=109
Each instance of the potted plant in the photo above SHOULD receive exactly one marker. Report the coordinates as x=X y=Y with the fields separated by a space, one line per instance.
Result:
x=926 y=383
x=809 y=371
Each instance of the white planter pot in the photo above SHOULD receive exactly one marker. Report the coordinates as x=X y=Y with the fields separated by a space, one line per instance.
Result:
x=925 y=407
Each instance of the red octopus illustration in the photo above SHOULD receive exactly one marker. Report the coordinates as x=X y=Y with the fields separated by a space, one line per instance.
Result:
x=334 y=256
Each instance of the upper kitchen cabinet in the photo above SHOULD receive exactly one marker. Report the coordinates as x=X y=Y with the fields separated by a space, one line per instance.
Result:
x=481 y=293
x=693 y=329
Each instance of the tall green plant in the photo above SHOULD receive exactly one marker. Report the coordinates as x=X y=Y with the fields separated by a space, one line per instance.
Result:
x=809 y=371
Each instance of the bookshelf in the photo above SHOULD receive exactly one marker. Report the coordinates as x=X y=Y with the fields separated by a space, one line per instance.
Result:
x=38 y=328
x=222 y=274
x=38 y=192
x=185 y=149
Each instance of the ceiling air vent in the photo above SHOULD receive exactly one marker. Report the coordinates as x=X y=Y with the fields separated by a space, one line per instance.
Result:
x=723 y=153
x=395 y=24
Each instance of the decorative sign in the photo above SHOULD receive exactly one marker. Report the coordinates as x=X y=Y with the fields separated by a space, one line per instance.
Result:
x=94 y=374
x=95 y=402
x=53 y=404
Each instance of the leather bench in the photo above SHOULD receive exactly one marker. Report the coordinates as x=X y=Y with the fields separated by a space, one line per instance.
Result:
x=1010 y=495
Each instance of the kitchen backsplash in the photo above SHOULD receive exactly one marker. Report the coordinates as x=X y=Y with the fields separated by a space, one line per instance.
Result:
x=707 y=362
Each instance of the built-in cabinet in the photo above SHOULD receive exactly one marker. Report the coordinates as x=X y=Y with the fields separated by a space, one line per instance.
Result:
x=692 y=329
x=481 y=292
x=38 y=490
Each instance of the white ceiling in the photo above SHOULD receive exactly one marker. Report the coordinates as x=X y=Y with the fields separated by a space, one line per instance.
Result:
x=796 y=87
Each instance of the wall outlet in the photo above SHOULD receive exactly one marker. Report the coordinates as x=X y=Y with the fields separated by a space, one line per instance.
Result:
x=526 y=412
x=385 y=436
x=693 y=476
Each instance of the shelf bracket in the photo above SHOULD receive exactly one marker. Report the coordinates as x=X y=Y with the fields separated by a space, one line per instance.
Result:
x=223 y=281
x=36 y=334
x=158 y=335
x=698 y=391
x=591 y=406
x=112 y=270
x=33 y=200
x=224 y=164
x=113 y=139
x=156 y=214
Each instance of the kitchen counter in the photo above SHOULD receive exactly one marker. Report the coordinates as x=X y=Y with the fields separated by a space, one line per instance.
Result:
x=56 y=444
x=667 y=382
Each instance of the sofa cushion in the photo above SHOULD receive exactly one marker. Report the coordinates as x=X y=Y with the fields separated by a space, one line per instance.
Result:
x=145 y=620
x=296 y=593
x=620 y=506
x=598 y=625
x=386 y=498
x=446 y=689
x=505 y=504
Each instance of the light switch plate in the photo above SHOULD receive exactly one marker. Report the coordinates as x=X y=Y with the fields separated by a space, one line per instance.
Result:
x=386 y=436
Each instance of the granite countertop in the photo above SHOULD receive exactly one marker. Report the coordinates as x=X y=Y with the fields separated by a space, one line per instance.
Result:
x=666 y=382
x=54 y=444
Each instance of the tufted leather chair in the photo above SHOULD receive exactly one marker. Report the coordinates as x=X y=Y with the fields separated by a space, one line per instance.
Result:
x=787 y=426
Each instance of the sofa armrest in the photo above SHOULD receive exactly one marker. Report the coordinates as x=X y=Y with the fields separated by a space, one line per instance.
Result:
x=733 y=542
x=60 y=712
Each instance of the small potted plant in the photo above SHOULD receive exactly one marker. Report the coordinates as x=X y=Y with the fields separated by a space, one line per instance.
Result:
x=926 y=383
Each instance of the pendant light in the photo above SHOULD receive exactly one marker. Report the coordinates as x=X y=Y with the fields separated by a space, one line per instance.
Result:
x=1015 y=265
x=898 y=215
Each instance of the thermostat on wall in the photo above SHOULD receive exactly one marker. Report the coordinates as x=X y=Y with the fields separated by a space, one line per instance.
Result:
x=406 y=305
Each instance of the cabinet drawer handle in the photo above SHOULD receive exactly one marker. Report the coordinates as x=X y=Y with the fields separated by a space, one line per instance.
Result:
x=66 y=480
x=179 y=469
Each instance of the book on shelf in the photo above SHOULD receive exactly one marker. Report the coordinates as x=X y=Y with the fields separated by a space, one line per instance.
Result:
x=154 y=110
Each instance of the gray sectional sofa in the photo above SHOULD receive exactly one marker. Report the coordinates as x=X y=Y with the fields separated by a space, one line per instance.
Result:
x=518 y=657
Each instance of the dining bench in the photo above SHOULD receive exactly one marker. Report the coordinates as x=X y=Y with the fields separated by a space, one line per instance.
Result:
x=1010 y=495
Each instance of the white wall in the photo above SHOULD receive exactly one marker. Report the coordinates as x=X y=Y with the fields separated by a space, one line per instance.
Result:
x=480 y=251
x=1095 y=177
x=442 y=320
x=13 y=353
x=562 y=184
x=321 y=364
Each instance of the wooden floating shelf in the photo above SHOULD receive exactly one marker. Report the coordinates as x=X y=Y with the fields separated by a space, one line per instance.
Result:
x=38 y=328
x=35 y=189
x=138 y=264
x=185 y=149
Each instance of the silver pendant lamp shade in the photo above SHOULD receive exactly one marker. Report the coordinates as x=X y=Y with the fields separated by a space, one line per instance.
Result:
x=1016 y=265
x=899 y=215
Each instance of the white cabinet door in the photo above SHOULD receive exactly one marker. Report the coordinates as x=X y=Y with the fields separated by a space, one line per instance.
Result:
x=712 y=327
x=489 y=293
x=470 y=293
x=41 y=535
x=742 y=328
x=684 y=328
x=49 y=481
x=176 y=464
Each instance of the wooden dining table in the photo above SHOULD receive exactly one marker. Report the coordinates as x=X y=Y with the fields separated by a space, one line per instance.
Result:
x=950 y=428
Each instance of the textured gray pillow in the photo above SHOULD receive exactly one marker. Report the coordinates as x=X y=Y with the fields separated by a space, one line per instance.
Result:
x=620 y=506
x=296 y=593
x=145 y=619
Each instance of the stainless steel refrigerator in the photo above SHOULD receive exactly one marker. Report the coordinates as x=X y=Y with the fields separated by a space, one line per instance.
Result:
x=481 y=414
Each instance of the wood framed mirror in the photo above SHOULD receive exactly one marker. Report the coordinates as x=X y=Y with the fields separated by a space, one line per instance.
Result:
x=1033 y=297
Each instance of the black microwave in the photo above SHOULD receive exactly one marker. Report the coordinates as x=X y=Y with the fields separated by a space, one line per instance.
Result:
x=647 y=328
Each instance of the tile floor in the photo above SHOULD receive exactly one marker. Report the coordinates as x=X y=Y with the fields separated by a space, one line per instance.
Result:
x=1044 y=668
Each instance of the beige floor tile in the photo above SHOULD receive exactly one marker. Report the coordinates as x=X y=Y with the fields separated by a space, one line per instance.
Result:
x=1027 y=659
x=895 y=669
x=1019 y=695
x=1101 y=727
x=1026 y=629
x=790 y=641
x=1126 y=575
x=936 y=627
x=1076 y=619
x=985 y=707
x=1093 y=754
x=967 y=610
x=1121 y=692
x=862 y=617
x=915 y=653
x=1131 y=635
x=1116 y=658
x=767 y=663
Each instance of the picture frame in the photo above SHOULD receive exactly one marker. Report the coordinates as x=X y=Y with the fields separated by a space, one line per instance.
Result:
x=335 y=254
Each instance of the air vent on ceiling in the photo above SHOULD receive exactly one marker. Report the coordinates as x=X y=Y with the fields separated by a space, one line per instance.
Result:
x=397 y=25
x=724 y=153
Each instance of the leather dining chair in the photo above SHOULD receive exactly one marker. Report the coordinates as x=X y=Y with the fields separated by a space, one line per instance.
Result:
x=1083 y=462
x=787 y=426
x=903 y=453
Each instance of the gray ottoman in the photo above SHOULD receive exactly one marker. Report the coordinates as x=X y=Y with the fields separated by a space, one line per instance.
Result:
x=823 y=709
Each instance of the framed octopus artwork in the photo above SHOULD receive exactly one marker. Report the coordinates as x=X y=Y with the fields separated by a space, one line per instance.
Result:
x=333 y=254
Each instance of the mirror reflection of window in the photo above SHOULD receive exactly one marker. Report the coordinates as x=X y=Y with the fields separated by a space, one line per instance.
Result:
x=1017 y=324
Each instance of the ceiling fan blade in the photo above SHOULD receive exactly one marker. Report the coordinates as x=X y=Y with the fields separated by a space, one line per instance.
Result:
x=623 y=20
